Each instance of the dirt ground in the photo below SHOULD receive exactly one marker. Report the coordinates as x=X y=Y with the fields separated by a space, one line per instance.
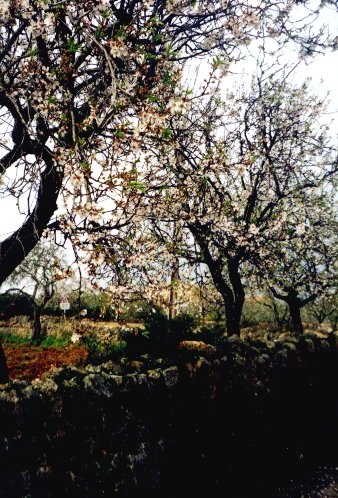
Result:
x=31 y=362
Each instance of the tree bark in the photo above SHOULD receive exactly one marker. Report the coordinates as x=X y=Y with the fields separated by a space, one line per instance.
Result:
x=238 y=293
x=15 y=248
x=296 y=319
x=4 y=377
x=295 y=304
x=232 y=318
x=173 y=290
x=233 y=295
x=37 y=323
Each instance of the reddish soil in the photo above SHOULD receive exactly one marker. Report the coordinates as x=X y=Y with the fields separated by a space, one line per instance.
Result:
x=30 y=362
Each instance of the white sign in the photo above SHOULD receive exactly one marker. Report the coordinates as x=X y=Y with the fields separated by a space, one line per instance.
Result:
x=64 y=304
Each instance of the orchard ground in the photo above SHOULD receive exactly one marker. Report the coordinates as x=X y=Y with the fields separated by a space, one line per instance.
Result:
x=69 y=341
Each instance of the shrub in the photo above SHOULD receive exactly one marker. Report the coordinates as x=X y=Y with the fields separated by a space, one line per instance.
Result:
x=136 y=340
x=13 y=304
x=102 y=348
x=183 y=325
x=160 y=327
x=211 y=333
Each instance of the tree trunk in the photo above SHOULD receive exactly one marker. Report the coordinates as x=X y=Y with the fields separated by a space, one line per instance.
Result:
x=232 y=319
x=295 y=304
x=17 y=246
x=173 y=290
x=238 y=296
x=4 y=378
x=296 y=319
x=233 y=296
x=37 y=323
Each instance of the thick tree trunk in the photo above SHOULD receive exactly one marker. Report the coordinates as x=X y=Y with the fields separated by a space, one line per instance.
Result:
x=233 y=295
x=232 y=319
x=296 y=319
x=295 y=303
x=233 y=324
x=17 y=246
x=4 y=378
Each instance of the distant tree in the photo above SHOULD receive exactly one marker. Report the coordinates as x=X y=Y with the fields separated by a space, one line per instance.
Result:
x=14 y=303
x=325 y=308
x=37 y=277
x=303 y=262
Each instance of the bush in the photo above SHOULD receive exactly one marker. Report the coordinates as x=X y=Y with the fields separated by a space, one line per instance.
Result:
x=179 y=328
x=211 y=334
x=136 y=340
x=183 y=325
x=102 y=348
x=14 y=304
x=159 y=335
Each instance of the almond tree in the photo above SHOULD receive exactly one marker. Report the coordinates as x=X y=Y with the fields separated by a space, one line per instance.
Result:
x=83 y=83
x=303 y=265
x=85 y=88
x=239 y=170
x=37 y=277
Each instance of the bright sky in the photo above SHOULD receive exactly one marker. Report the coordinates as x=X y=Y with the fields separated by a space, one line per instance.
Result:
x=323 y=71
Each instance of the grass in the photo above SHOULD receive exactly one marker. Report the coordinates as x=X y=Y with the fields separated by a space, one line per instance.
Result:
x=18 y=340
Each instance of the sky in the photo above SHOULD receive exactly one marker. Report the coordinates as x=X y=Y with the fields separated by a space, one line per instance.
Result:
x=323 y=71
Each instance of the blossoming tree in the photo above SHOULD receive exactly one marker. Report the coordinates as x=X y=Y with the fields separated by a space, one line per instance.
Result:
x=88 y=86
x=37 y=277
x=303 y=264
x=242 y=172
x=85 y=84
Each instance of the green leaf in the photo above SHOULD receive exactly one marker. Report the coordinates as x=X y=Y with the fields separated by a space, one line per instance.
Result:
x=33 y=52
x=73 y=46
x=167 y=78
x=153 y=98
x=106 y=13
x=99 y=33
x=166 y=133
x=137 y=186
x=120 y=33
x=119 y=133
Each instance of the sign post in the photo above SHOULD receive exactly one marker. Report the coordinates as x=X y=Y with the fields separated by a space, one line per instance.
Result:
x=64 y=305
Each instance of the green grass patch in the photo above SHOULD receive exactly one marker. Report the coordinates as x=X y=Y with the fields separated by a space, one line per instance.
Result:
x=48 y=342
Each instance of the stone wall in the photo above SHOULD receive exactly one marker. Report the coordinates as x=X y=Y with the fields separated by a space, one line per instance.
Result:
x=241 y=423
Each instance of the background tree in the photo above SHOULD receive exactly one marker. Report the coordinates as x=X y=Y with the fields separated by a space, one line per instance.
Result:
x=325 y=308
x=237 y=169
x=37 y=278
x=304 y=266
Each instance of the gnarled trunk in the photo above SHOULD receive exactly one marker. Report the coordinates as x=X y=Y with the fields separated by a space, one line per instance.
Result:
x=232 y=317
x=295 y=303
